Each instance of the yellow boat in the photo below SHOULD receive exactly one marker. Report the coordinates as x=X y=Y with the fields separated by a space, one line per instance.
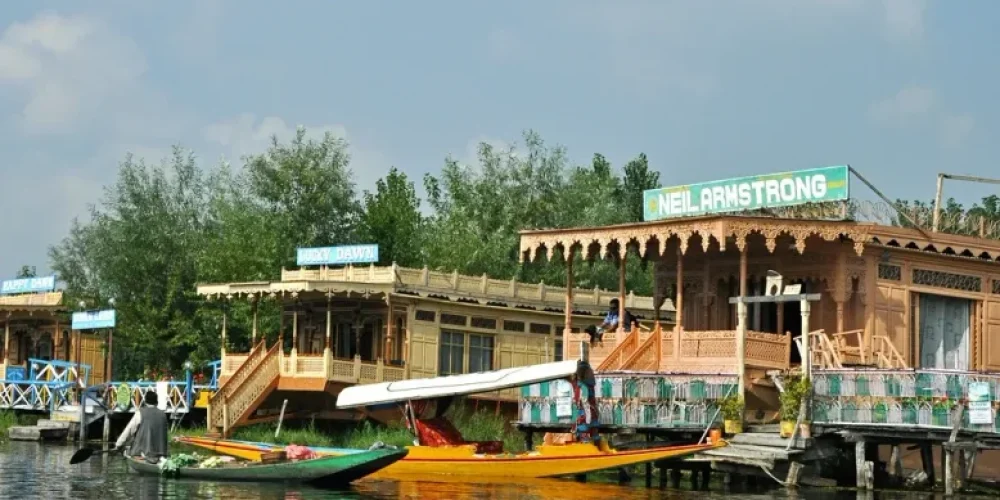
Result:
x=441 y=450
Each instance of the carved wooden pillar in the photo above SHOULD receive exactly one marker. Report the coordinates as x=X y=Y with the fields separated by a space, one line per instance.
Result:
x=281 y=324
x=841 y=290
x=295 y=325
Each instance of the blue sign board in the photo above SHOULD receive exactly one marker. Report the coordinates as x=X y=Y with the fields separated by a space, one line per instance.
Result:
x=28 y=285
x=14 y=373
x=92 y=320
x=351 y=254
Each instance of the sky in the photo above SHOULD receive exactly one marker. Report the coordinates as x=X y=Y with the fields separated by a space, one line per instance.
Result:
x=899 y=89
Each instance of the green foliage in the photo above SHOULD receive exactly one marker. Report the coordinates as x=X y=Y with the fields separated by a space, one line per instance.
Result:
x=797 y=388
x=732 y=407
x=161 y=229
x=392 y=219
x=26 y=272
x=954 y=217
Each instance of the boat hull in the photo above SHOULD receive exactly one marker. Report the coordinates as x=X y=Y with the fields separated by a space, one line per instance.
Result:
x=545 y=461
x=329 y=471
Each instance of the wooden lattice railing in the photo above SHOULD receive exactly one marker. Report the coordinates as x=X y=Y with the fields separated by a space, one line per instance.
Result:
x=236 y=398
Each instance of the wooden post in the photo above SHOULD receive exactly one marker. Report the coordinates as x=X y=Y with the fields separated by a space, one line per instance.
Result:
x=861 y=471
x=937 y=202
x=741 y=325
x=224 y=318
x=254 y=304
x=106 y=437
x=804 y=306
x=927 y=460
x=620 y=336
x=705 y=287
x=329 y=322
x=679 y=305
x=949 y=468
x=896 y=461
x=6 y=342
x=568 y=320
x=295 y=329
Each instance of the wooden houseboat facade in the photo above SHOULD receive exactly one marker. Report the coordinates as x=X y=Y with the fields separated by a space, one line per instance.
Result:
x=350 y=325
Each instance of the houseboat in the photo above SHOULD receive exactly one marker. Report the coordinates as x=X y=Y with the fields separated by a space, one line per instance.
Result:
x=348 y=325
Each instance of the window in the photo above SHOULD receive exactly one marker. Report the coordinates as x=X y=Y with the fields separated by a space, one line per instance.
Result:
x=484 y=323
x=453 y=319
x=428 y=316
x=513 y=326
x=451 y=353
x=480 y=353
x=559 y=351
x=996 y=287
x=540 y=328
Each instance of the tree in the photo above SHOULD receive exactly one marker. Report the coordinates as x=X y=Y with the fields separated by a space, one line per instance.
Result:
x=306 y=188
x=391 y=218
x=26 y=272
x=638 y=178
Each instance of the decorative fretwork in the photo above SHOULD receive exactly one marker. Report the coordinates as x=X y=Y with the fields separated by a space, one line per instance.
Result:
x=943 y=279
x=890 y=272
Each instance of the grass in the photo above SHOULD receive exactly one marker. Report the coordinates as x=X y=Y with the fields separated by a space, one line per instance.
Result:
x=474 y=426
x=9 y=419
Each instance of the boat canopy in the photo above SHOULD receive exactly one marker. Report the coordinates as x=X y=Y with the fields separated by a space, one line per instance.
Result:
x=455 y=385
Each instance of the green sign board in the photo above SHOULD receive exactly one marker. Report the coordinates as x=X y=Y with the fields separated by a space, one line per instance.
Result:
x=748 y=193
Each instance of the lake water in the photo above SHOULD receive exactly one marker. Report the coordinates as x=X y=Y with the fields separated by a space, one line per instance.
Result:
x=30 y=470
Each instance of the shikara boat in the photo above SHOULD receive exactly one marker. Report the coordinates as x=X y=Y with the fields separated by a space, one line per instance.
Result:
x=333 y=471
x=442 y=449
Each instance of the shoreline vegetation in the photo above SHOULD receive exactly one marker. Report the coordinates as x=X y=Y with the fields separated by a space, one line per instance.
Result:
x=481 y=425
x=8 y=419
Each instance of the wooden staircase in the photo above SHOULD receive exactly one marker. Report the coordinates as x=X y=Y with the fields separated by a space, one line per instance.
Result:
x=621 y=353
x=647 y=356
x=243 y=392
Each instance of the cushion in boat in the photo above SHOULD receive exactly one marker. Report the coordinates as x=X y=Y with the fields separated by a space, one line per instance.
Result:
x=438 y=432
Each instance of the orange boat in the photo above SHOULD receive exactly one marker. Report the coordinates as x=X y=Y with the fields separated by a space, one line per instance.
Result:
x=442 y=449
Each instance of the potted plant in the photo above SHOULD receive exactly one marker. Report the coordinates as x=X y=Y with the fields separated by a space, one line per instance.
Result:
x=732 y=414
x=796 y=390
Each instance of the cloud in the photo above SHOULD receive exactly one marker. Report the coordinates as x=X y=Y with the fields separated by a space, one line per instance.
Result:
x=244 y=135
x=904 y=19
x=66 y=70
x=956 y=128
x=911 y=102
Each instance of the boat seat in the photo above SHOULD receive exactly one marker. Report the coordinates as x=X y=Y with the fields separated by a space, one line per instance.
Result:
x=440 y=432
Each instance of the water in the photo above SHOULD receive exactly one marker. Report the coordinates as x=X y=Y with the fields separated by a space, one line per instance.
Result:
x=30 y=470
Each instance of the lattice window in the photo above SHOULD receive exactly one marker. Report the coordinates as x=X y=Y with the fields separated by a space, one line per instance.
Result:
x=428 y=316
x=942 y=279
x=559 y=351
x=484 y=323
x=514 y=326
x=451 y=353
x=541 y=328
x=454 y=319
x=996 y=287
x=890 y=272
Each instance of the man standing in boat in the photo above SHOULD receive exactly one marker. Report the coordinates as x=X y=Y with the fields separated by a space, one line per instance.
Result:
x=611 y=321
x=149 y=426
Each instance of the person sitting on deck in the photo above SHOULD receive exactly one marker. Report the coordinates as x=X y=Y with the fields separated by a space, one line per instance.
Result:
x=149 y=426
x=611 y=321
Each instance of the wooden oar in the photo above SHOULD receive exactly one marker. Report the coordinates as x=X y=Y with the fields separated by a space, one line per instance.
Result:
x=83 y=454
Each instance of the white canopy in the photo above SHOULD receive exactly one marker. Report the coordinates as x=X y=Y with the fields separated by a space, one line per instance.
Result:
x=453 y=385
